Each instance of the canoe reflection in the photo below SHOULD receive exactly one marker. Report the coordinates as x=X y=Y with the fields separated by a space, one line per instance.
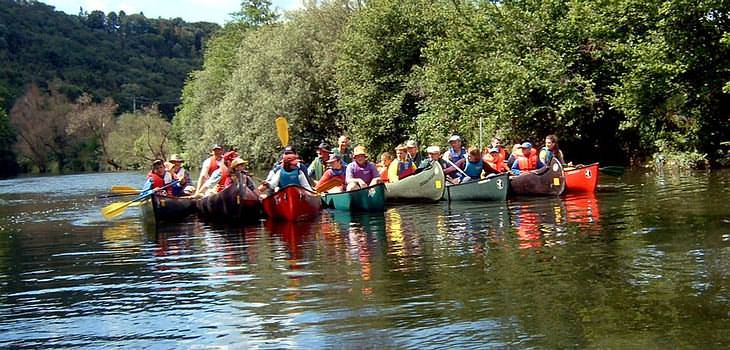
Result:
x=583 y=209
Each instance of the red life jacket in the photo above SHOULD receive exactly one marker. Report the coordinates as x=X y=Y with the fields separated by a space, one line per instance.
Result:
x=224 y=178
x=213 y=166
x=527 y=162
x=158 y=181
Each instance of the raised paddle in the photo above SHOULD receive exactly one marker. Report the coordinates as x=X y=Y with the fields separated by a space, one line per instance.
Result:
x=456 y=167
x=115 y=209
x=282 y=130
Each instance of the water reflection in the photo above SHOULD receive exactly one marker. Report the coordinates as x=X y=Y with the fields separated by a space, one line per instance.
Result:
x=642 y=264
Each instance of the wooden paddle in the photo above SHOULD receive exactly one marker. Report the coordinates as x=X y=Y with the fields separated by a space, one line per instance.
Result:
x=115 y=209
x=332 y=183
x=123 y=189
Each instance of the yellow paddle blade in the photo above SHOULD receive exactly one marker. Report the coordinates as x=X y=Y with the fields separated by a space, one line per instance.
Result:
x=123 y=189
x=115 y=209
x=282 y=130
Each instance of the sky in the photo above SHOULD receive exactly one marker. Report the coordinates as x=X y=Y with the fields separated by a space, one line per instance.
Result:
x=217 y=11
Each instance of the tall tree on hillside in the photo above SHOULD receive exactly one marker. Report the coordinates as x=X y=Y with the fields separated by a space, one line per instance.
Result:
x=7 y=140
x=256 y=13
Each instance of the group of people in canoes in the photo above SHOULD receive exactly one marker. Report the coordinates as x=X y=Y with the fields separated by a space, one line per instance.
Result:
x=343 y=168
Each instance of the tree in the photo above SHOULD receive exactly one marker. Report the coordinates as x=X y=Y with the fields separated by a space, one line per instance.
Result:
x=8 y=166
x=93 y=120
x=140 y=138
x=255 y=13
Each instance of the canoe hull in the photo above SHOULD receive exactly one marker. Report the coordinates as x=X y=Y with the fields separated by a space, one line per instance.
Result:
x=547 y=181
x=489 y=189
x=368 y=199
x=160 y=209
x=426 y=185
x=582 y=179
x=235 y=204
x=292 y=203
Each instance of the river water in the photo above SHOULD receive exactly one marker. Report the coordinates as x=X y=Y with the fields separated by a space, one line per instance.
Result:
x=642 y=263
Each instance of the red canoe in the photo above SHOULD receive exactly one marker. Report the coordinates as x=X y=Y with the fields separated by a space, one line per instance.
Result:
x=582 y=178
x=292 y=203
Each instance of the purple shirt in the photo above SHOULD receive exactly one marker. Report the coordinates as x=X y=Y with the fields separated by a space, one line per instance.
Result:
x=365 y=173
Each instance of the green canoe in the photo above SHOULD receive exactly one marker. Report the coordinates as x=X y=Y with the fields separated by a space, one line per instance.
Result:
x=491 y=188
x=425 y=185
x=370 y=199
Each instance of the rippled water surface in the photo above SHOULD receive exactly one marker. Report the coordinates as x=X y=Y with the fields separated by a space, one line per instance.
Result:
x=642 y=263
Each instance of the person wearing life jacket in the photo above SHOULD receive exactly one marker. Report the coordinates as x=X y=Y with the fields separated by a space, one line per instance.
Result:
x=497 y=143
x=236 y=170
x=385 y=160
x=402 y=166
x=456 y=150
x=289 y=174
x=434 y=155
x=472 y=167
x=495 y=159
x=156 y=179
x=175 y=171
x=210 y=165
x=361 y=172
x=551 y=150
x=526 y=159
x=218 y=178
x=279 y=163
x=318 y=165
x=333 y=179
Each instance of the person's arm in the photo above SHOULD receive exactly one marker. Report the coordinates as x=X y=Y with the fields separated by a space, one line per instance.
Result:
x=452 y=169
x=303 y=181
x=349 y=174
x=393 y=171
x=147 y=185
x=515 y=168
x=311 y=169
x=203 y=174
x=212 y=181
x=542 y=158
x=274 y=181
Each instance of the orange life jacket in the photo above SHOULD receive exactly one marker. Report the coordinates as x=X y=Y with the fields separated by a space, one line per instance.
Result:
x=496 y=162
x=213 y=166
x=224 y=178
x=158 y=181
x=527 y=162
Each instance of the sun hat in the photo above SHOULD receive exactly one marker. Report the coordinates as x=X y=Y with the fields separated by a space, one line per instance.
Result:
x=289 y=150
x=359 y=150
x=333 y=158
x=176 y=158
x=433 y=149
x=411 y=144
x=454 y=138
x=216 y=146
x=236 y=162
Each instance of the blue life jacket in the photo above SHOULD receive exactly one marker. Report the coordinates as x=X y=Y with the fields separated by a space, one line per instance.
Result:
x=474 y=170
x=454 y=157
x=288 y=178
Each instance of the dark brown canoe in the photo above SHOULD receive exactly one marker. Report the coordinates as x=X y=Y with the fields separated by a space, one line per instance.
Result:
x=547 y=181
x=235 y=204
x=158 y=209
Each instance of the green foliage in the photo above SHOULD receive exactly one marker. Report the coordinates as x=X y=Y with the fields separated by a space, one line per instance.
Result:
x=284 y=69
x=377 y=69
x=8 y=166
x=119 y=56
x=615 y=80
x=139 y=138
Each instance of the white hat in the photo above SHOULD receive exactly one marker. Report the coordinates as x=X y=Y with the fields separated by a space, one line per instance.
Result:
x=454 y=138
x=433 y=149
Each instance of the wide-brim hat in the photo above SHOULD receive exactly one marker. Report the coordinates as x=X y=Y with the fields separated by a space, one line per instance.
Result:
x=411 y=144
x=237 y=161
x=454 y=138
x=176 y=158
x=359 y=150
x=433 y=149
